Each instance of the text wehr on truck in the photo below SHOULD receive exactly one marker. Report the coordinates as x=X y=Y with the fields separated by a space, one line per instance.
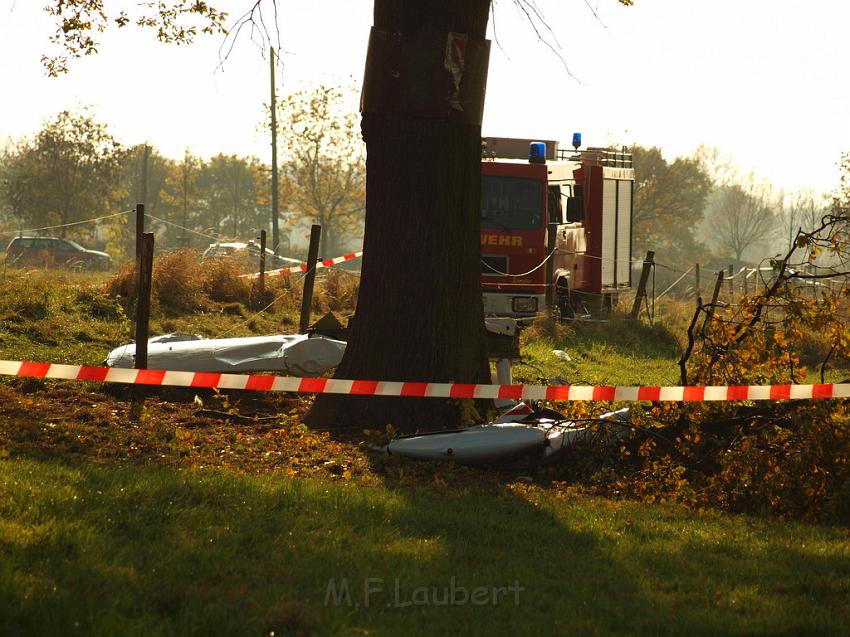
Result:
x=573 y=206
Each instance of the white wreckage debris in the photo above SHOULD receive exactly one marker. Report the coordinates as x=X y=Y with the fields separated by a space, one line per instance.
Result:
x=519 y=432
x=295 y=354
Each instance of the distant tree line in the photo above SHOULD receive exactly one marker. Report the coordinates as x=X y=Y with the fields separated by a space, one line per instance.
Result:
x=703 y=209
x=691 y=209
x=74 y=170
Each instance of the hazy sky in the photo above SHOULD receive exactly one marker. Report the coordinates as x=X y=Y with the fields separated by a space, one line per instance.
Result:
x=765 y=81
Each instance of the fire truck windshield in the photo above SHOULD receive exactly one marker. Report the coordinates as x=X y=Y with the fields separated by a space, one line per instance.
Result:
x=511 y=203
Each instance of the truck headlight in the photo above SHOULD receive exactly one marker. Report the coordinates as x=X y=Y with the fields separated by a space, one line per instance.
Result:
x=524 y=304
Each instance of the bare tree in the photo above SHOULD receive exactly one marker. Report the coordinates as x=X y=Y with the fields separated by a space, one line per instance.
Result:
x=803 y=209
x=742 y=217
x=325 y=161
x=720 y=167
x=420 y=314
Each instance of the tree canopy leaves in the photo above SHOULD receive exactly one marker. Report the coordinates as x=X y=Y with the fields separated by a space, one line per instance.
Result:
x=78 y=23
x=324 y=164
x=69 y=171
x=670 y=198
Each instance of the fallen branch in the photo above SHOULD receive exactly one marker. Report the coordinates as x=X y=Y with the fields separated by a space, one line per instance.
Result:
x=234 y=417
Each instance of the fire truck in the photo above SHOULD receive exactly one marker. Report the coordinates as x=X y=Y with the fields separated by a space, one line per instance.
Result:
x=556 y=227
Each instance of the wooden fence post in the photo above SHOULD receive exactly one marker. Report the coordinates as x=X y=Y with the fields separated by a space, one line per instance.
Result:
x=697 y=286
x=717 y=284
x=709 y=312
x=310 y=278
x=648 y=261
x=143 y=302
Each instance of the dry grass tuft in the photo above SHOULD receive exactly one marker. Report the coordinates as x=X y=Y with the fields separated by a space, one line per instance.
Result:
x=122 y=284
x=337 y=291
x=97 y=302
x=179 y=282
x=184 y=284
x=25 y=298
x=222 y=282
x=547 y=326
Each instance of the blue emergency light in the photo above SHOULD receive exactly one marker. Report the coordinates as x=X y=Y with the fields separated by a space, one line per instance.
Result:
x=537 y=153
x=576 y=140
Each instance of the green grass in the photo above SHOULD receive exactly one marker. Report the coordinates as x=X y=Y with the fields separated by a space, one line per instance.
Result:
x=65 y=317
x=68 y=317
x=96 y=539
x=104 y=550
x=625 y=352
x=618 y=352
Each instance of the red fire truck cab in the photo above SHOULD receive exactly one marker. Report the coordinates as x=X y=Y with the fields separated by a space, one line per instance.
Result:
x=556 y=227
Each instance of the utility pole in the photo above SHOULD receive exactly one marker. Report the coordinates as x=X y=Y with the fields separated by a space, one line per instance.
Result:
x=143 y=198
x=140 y=230
x=275 y=203
x=184 y=240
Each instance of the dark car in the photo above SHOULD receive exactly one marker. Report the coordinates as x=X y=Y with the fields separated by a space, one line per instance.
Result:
x=55 y=252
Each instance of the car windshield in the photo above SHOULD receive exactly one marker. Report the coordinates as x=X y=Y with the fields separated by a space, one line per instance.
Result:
x=511 y=203
x=74 y=245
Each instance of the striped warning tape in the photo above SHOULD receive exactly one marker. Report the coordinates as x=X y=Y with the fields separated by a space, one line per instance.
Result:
x=325 y=263
x=422 y=390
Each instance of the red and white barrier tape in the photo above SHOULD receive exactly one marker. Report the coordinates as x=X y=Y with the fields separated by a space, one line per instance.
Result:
x=325 y=263
x=422 y=390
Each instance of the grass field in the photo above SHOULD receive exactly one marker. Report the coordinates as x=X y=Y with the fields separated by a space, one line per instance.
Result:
x=618 y=352
x=104 y=550
x=122 y=513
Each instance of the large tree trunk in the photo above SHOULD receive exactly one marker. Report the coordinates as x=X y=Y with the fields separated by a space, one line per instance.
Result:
x=419 y=315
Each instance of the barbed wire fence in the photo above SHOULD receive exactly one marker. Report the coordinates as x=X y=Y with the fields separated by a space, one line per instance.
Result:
x=666 y=281
x=732 y=284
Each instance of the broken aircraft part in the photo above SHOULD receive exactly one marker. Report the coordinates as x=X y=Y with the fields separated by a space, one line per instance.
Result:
x=295 y=354
x=518 y=432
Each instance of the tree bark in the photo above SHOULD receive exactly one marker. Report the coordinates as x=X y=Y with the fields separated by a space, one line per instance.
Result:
x=419 y=315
